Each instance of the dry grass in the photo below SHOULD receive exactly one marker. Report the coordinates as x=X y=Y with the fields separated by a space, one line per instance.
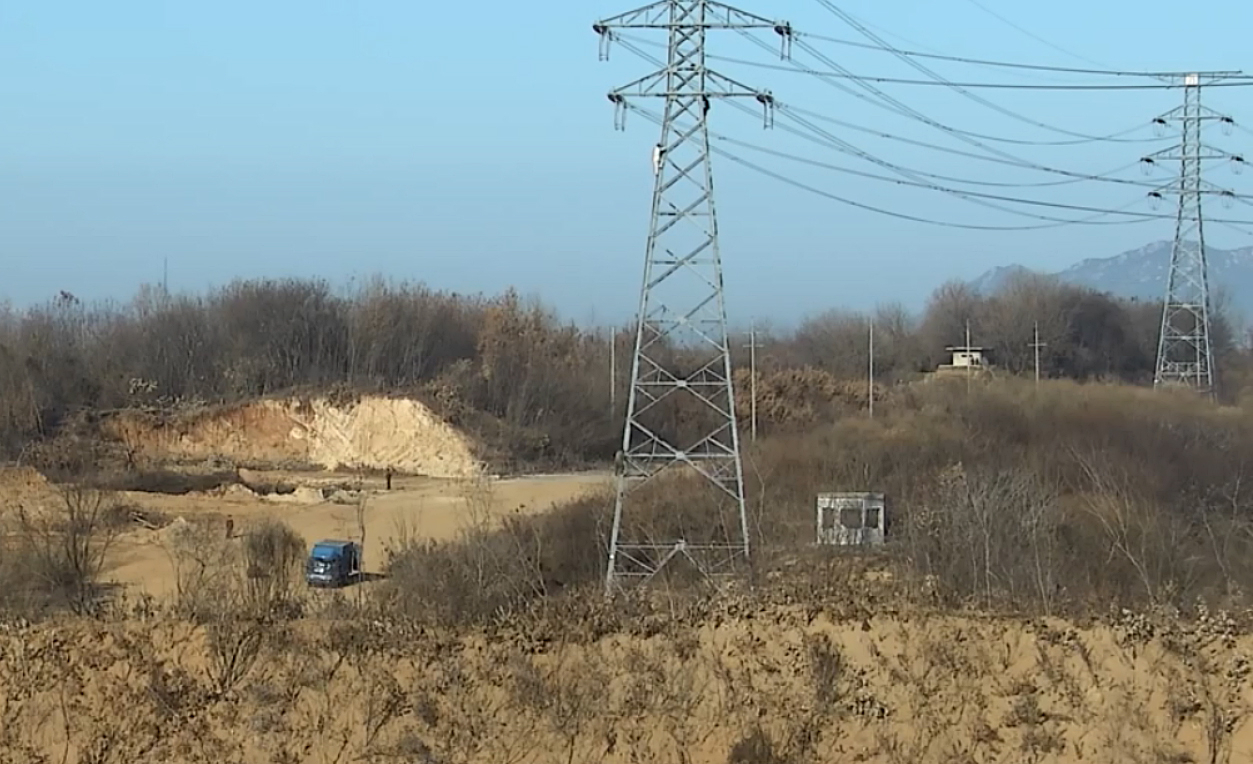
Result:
x=1066 y=583
x=748 y=680
x=1066 y=499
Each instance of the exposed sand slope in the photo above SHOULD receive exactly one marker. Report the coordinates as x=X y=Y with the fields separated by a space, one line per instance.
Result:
x=372 y=432
x=922 y=690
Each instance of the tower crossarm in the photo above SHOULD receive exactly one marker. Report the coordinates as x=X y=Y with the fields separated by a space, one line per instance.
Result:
x=714 y=85
x=1176 y=154
x=1197 y=79
x=688 y=22
x=1203 y=114
x=1205 y=187
x=716 y=16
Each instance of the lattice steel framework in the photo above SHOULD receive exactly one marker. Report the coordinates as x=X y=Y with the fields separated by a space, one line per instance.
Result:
x=1184 y=351
x=681 y=344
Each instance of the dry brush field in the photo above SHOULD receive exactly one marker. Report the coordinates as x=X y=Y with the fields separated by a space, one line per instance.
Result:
x=1067 y=578
x=1066 y=583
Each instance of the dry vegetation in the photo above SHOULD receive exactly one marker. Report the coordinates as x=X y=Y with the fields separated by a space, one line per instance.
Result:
x=1068 y=580
x=507 y=369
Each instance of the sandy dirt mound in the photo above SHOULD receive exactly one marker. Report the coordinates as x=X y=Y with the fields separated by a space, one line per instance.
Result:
x=20 y=482
x=371 y=433
x=753 y=685
x=27 y=488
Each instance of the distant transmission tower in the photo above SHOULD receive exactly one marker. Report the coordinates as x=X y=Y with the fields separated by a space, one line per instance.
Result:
x=1184 y=350
x=681 y=346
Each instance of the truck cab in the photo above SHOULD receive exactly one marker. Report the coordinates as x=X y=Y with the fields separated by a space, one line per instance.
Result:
x=333 y=563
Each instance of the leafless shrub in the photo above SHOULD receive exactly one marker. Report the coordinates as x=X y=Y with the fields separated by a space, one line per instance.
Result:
x=826 y=670
x=66 y=546
x=497 y=567
x=568 y=693
x=235 y=639
x=756 y=747
x=273 y=556
x=239 y=592
x=205 y=563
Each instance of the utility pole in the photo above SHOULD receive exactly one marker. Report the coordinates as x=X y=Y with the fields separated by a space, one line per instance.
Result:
x=969 y=352
x=1035 y=345
x=613 y=371
x=969 y=359
x=752 y=384
x=870 y=379
x=681 y=305
x=1184 y=350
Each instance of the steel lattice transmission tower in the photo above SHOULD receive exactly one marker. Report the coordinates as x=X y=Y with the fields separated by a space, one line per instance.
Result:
x=681 y=351
x=1184 y=351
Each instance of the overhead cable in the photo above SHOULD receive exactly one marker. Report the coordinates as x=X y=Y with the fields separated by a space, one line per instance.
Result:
x=1030 y=34
x=1073 y=177
x=981 y=61
x=1052 y=222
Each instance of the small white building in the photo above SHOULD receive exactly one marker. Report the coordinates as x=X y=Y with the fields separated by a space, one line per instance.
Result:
x=967 y=357
x=965 y=360
x=851 y=519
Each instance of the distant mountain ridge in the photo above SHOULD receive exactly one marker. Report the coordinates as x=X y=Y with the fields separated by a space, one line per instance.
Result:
x=1141 y=273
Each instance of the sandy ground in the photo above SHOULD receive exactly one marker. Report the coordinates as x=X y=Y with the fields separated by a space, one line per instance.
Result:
x=743 y=681
x=424 y=507
x=748 y=683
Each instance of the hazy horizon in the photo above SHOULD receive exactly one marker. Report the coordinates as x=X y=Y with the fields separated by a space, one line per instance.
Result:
x=244 y=141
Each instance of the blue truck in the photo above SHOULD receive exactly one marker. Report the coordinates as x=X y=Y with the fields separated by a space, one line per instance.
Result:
x=333 y=563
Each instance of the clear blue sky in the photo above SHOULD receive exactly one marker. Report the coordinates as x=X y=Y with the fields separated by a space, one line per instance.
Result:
x=470 y=146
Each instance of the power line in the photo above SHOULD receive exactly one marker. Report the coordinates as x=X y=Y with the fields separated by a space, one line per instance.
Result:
x=932 y=186
x=827 y=140
x=1139 y=217
x=962 y=88
x=903 y=216
x=1074 y=177
x=1030 y=34
x=982 y=61
x=905 y=110
x=844 y=74
x=1018 y=200
x=1235 y=227
x=890 y=213
x=930 y=221
x=889 y=103
x=830 y=141
x=910 y=174
x=1242 y=128
x=969 y=196
x=986 y=183
x=983 y=85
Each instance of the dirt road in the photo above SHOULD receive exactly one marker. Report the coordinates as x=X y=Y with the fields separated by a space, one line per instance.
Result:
x=424 y=507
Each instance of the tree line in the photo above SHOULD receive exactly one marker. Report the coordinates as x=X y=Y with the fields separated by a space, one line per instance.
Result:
x=504 y=359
